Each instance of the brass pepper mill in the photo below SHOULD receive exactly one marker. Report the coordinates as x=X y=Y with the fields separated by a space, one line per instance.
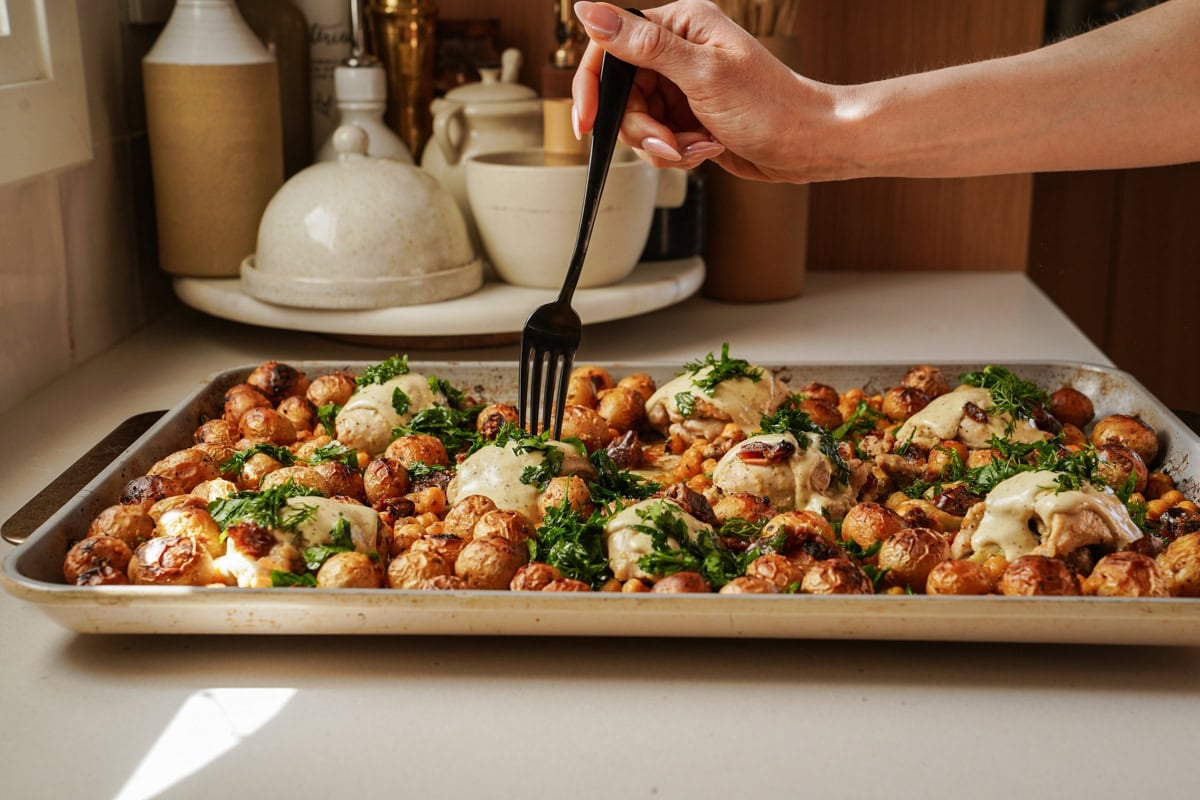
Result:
x=402 y=38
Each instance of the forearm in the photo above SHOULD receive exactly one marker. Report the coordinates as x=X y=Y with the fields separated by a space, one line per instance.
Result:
x=1125 y=95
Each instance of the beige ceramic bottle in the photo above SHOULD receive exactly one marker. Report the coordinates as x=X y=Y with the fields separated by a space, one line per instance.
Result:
x=216 y=141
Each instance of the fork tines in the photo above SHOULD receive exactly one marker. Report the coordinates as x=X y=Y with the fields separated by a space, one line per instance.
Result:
x=544 y=375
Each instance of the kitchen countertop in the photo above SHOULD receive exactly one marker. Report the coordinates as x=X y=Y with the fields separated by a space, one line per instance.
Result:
x=132 y=717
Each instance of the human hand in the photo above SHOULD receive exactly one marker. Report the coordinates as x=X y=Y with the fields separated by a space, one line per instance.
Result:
x=706 y=89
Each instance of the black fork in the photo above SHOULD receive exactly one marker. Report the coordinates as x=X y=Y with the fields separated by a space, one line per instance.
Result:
x=552 y=332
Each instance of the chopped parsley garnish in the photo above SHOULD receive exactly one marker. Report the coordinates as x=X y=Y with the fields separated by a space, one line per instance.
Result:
x=335 y=451
x=280 y=578
x=401 y=402
x=862 y=420
x=419 y=471
x=1011 y=394
x=790 y=419
x=541 y=473
x=858 y=552
x=572 y=544
x=706 y=554
x=616 y=484
x=456 y=398
x=520 y=442
x=381 y=373
x=237 y=462
x=454 y=427
x=268 y=507
x=685 y=402
x=340 y=541
x=720 y=370
x=327 y=416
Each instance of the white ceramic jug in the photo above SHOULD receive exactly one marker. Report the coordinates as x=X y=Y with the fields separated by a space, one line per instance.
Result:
x=492 y=115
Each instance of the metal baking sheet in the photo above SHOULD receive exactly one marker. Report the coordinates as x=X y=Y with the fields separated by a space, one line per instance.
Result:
x=33 y=570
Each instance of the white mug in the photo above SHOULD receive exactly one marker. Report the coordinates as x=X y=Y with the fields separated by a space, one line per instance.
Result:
x=527 y=204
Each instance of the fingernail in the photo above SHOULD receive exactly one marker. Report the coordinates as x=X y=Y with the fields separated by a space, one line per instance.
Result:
x=602 y=21
x=703 y=150
x=657 y=147
x=575 y=123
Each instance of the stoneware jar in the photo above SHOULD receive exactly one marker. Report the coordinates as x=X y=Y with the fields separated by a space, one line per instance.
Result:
x=492 y=115
x=360 y=232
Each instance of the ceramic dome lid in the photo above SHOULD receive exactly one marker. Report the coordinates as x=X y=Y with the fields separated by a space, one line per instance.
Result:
x=497 y=85
x=361 y=232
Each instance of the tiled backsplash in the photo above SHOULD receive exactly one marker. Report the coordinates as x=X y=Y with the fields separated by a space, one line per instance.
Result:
x=77 y=271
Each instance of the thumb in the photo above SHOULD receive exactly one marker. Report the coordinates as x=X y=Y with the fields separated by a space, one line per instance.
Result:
x=637 y=40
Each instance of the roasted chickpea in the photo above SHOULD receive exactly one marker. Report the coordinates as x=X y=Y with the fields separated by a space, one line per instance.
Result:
x=257 y=467
x=418 y=447
x=901 y=402
x=959 y=577
x=634 y=586
x=1037 y=575
x=511 y=525
x=682 y=583
x=93 y=554
x=491 y=562
x=600 y=378
x=836 y=576
x=566 y=585
x=239 y=399
x=267 y=425
x=748 y=584
x=1158 y=484
x=533 y=577
x=333 y=389
x=493 y=417
x=820 y=392
x=1117 y=464
x=350 y=570
x=300 y=474
x=581 y=391
x=1129 y=431
x=1126 y=574
x=187 y=468
x=461 y=519
x=173 y=561
x=909 y=555
x=146 y=490
x=779 y=570
x=868 y=523
x=587 y=425
x=570 y=489
x=641 y=383
x=1072 y=436
x=413 y=567
x=1181 y=564
x=622 y=408
x=343 y=480
x=278 y=381
x=384 y=479
x=301 y=413
x=216 y=431
x=430 y=500
x=131 y=524
x=981 y=457
x=927 y=379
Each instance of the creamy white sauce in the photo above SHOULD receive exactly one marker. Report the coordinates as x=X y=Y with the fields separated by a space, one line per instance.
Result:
x=1032 y=496
x=802 y=481
x=945 y=418
x=625 y=545
x=317 y=529
x=743 y=400
x=367 y=419
x=495 y=472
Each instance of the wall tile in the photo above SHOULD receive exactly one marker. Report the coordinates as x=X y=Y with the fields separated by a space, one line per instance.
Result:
x=34 y=343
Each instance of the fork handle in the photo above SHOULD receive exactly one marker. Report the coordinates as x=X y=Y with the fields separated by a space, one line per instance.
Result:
x=616 y=81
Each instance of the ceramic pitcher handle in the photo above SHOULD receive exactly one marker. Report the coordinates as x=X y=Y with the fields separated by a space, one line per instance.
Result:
x=449 y=136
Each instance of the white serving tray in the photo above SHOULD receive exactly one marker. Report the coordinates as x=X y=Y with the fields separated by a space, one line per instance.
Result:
x=33 y=570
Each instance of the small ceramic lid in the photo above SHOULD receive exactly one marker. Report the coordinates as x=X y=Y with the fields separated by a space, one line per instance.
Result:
x=361 y=232
x=497 y=85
